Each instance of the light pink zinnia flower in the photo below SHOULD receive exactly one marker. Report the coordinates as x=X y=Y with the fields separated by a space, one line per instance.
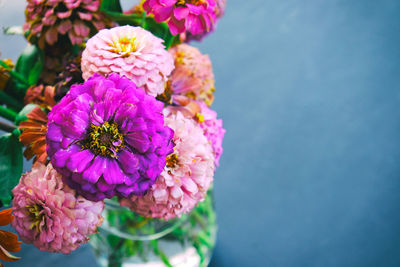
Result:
x=130 y=51
x=187 y=176
x=194 y=16
x=50 y=215
x=193 y=75
x=47 y=20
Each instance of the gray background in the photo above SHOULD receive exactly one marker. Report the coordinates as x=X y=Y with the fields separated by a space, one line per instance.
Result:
x=309 y=94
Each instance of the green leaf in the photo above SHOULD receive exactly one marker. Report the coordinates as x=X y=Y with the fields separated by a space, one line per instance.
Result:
x=160 y=30
x=111 y=5
x=30 y=64
x=21 y=116
x=10 y=165
x=122 y=19
x=34 y=75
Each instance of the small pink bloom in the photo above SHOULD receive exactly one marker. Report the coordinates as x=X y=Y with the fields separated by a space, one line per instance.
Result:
x=84 y=15
x=187 y=175
x=193 y=76
x=130 y=51
x=50 y=215
x=194 y=16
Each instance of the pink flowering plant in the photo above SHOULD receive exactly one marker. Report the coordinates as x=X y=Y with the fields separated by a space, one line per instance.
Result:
x=113 y=109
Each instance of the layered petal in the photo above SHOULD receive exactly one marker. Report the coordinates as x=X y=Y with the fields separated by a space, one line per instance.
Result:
x=50 y=215
x=186 y=177
x=107 y=137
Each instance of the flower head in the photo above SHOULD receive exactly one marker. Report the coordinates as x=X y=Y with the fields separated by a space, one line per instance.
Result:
x=186 y=177
x=193 y=76
x=219 y=10
x=40 y=95
x=50 y=215
x=130 y=51
x=48 y=21
x=33 y=135
x=212 y=127
x=194 y=16
x=8 y=241
x=71 y=74
x=106 y=138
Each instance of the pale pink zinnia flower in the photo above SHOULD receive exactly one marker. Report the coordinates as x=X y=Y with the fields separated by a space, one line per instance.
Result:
x=187 y=175
x=48 y=20
x=130 y=51
x=193 y=76
x=50 y=215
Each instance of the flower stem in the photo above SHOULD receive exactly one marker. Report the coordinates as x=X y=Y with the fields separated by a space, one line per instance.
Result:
x=8 y=113
x=114 y=260
x=199 y=219
x=7 y=127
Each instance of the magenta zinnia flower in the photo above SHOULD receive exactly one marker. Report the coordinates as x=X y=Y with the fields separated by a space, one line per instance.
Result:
x=194 y=16
x=50 y=215
x=106 y=138
x=48 y=20
x=186 y=177
x=130 y=51
x=219 y=10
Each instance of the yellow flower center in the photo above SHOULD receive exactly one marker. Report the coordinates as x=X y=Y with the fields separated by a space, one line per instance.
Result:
x=167 y=94
x=179 y=56
x=193 y=2
x=36 y=216
x=199 y=117
x=172 y=161
x=104 y=140
x=124 y=46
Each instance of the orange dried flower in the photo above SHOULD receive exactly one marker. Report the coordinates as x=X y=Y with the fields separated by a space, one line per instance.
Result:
x=8 y=241
x=33 y=135
x=40 y=95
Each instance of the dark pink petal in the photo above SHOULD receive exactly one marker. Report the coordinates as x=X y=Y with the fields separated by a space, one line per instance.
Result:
x=181 y=12
x=167 y=2
x=163 y=13
x=51 y=36
x=64 y=26
x=176 y=26
x=64 y=15
x=81 y=29
x=85 y=16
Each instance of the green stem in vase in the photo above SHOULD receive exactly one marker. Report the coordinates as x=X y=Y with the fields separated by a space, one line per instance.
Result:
x=160 y=253
x=115 y=258
x=198 y=218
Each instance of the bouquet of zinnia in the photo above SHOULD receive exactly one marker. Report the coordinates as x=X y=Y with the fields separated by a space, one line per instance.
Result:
x=111 y=106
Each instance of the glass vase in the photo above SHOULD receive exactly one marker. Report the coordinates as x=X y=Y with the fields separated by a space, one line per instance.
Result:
x=128 y=239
